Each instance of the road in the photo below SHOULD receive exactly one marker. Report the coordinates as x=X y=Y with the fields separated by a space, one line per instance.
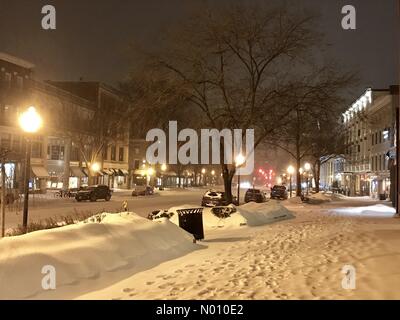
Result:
x=42 y=207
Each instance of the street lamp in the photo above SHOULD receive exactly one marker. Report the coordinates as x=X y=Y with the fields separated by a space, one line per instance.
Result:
x=30 y=122
x=290 y=171
x=239 y=161
x=150 y=172
x=95 y=167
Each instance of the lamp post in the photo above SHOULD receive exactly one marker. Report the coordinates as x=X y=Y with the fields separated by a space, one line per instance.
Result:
x=30 y=122
x=290 y=171
x=150 y=172
x=239 y=161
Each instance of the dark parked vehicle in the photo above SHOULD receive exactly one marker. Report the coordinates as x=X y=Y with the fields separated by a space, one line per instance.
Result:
x=142 y=191
x=215 y=199
x=255 y=195
x=279 y=192
x=93 y=193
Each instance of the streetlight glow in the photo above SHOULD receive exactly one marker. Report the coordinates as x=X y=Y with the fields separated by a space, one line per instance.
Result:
x=203 y=171
x=95 y=167
x=239 y=160
x=150 y=172
x=290 y=170
x=307 y=166
x=30 y=121
x=164 y=167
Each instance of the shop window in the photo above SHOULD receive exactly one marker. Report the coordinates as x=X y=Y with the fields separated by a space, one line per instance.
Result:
x=113 y=153
x=20 y=82
x=36 y=151
x=121 y=154
x=105 y=153
x=136 y=165
x=74 y=154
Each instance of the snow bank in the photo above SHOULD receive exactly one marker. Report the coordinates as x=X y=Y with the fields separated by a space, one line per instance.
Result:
x=86 y=251
x=257 y=214
x=251 y=214
x=378 y=210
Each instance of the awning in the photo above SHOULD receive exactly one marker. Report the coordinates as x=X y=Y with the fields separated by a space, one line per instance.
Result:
x=85 y=172
x=108 y=172
x=76 y=172
x=40 y=172
x=125 y=172
x=118 y=172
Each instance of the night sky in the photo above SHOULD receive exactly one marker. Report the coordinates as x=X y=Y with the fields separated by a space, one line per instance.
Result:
x=92 y=37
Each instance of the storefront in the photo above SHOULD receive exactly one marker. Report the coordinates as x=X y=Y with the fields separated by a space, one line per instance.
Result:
x=39 y=179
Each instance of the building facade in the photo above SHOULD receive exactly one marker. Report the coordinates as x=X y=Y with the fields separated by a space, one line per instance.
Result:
x=57 y=160
x=370 y=140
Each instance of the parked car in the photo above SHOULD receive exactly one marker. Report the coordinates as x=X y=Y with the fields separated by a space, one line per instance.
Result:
x=279 y=192
x=142 y=191
x=255 y=195
x=93 y=193
x=215 y=199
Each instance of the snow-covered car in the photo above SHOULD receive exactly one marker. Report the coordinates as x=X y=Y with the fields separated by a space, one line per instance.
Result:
x=215 y=199
x=142 y=191
x=255 y=195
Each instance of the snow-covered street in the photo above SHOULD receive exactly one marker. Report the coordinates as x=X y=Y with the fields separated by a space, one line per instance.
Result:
x=294 y=259
x=299 y=258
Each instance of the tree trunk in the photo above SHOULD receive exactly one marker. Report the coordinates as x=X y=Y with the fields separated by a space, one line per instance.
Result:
x=228 y=177
x=298 y=178
x=317 y=175
x=298 y=165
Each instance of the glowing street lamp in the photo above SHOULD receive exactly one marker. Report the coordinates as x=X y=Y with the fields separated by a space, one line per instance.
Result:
x=150 y=173
x=290 y=171
x=95 y=167
x=30 y=122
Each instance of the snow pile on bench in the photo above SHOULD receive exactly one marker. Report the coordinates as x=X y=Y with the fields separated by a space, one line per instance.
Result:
x=86 y=251
x=251 y=214
x=258 y=214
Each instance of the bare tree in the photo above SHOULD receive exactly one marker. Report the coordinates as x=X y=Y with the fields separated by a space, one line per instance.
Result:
x=317 y=104
x=235 y=66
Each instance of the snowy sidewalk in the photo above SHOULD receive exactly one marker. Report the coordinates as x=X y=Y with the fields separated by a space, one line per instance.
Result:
x=295 y=259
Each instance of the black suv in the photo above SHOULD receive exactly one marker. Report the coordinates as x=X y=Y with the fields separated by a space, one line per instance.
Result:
x=93 y=193
x=254 y=195
x=279 y=192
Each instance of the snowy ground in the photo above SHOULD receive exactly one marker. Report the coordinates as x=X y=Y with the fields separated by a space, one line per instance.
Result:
x=300 y=258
